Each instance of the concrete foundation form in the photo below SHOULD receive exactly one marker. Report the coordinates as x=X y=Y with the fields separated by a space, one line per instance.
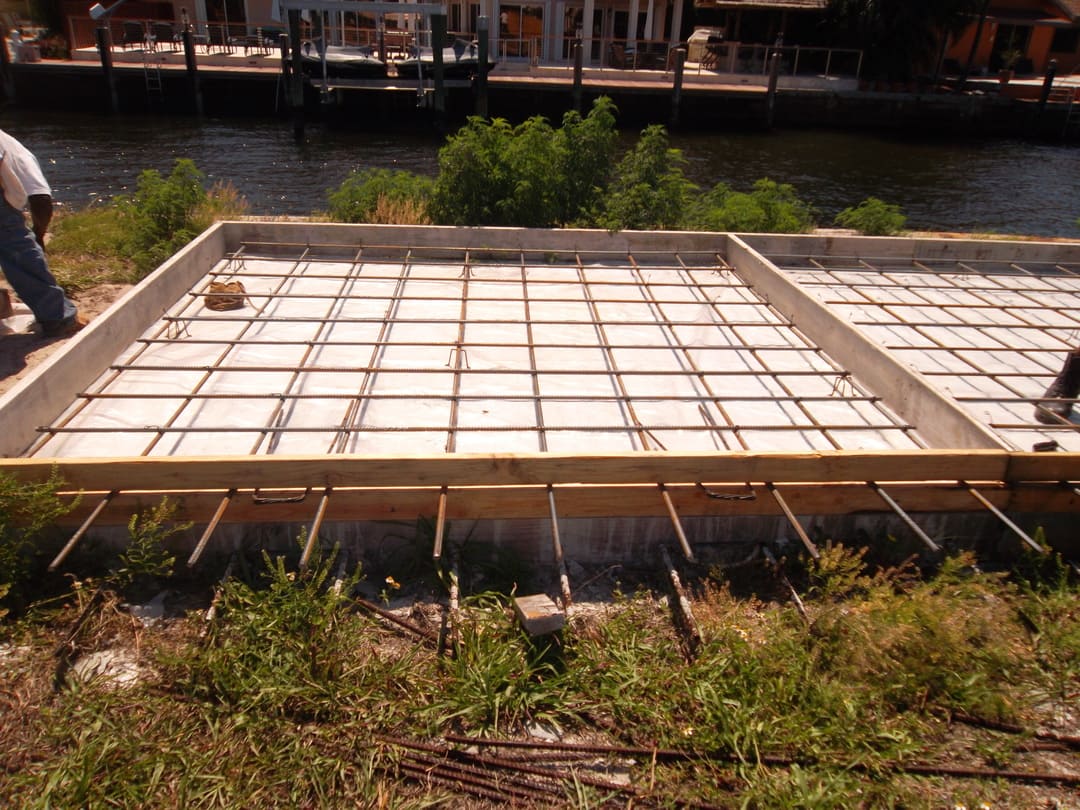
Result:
x=610 y=391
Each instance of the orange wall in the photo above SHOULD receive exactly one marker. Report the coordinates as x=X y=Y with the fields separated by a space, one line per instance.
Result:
x=1038 y=49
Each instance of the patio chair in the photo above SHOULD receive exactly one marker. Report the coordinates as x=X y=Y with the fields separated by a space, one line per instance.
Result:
x=162 y=34
x=134 y=34
x=617 y=55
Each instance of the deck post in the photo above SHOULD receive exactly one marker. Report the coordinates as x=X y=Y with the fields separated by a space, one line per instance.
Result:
x=676 y=90
x=104 y=45
x=295 y=91
x=192 y=69
x=481 y=77
x=579 y=52
x=438 y=42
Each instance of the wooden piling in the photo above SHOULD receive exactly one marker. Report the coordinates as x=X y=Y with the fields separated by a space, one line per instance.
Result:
x=295 y=86
x=578 y=64
x=438 y=42
x=481 y=77
x=770 y=97
x=676 y=90
x=192 y=70
x=104 y=45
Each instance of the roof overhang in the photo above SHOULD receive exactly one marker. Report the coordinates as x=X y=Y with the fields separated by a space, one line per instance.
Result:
x=1026 y=16
x=764 y=5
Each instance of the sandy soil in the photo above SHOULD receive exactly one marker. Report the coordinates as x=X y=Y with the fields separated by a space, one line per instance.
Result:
x=22 y=347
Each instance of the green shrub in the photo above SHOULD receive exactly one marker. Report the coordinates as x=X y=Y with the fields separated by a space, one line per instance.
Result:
x=872 y=217
x=477 y=183
x=770 y=208
x=26 y=512
x=531 y=175
x=167 y=213
x=649 y=190
x=586 y=149
x=381 y=196
x=145 y=560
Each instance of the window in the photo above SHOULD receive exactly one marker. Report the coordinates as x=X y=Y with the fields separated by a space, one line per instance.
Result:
x=1065 y=40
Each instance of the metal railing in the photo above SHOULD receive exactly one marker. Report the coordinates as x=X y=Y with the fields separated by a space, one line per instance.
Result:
x=651 y=55
x=603 y=53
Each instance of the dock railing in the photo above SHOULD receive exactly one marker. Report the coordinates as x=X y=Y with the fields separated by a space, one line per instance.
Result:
x=712 y=59
x=658 y=55
x=154 y=34
x=251 y=36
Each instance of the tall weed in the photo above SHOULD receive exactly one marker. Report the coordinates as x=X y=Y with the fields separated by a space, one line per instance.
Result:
x=499 y=679
x=27 y=511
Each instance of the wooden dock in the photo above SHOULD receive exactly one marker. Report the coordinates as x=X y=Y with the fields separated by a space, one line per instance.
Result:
x=251 y=84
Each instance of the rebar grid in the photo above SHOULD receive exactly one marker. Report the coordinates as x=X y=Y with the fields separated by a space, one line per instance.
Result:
x=993 y=334
x=453 y=345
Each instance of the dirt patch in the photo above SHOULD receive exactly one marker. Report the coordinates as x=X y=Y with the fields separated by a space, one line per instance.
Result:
x=22 y=348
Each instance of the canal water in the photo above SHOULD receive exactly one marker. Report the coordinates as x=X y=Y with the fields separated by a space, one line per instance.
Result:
x=1002 y=186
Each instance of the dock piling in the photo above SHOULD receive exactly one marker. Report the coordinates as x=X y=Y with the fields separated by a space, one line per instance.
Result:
x=1048 y=84
x=481 y=78
x=192 y=70
x=104 y=45
x=295 y=86
x=438 y=42
x=770 y=98
x=578 y=63
x=676 y=90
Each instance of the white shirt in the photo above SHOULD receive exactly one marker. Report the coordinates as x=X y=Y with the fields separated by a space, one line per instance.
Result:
x=24 y=165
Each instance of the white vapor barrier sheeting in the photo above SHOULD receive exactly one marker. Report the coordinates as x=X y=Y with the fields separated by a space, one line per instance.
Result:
x=993 y=335
x=431 y=355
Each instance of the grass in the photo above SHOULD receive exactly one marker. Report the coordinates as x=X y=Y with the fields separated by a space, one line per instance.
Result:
x=120 y=242
x=86 y=248
x=282 y=701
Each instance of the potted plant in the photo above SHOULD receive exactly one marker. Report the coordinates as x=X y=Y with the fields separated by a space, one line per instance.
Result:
x=1009 y=59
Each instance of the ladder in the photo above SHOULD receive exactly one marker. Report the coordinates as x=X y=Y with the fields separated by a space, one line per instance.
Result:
x=1067 y=95
x=152 y=74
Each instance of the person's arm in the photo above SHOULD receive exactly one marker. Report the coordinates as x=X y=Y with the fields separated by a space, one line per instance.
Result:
x=41 y=211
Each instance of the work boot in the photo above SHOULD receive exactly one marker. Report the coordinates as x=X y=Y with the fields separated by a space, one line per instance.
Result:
x=64 y=328
x=1064 y=387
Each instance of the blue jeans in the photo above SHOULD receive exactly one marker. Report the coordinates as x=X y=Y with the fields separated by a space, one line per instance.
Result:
x=24 y=265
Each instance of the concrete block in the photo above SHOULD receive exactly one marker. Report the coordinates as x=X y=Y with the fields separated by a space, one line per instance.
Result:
x=538 y=614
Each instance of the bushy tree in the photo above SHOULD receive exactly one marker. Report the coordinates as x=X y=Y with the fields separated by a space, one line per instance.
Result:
x=586 y=148
x=375 y=195
x=168 y=212
x=649 y=190
x=483 y=181
x=770 y=208
x=872 y=217
x=531 y=175
x=160 y=212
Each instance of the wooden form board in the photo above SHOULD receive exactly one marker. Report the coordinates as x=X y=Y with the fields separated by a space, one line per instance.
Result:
x=531 y=503
x=907 y=248
x=478 y=469
x=623 y=485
